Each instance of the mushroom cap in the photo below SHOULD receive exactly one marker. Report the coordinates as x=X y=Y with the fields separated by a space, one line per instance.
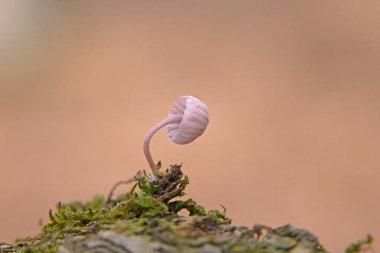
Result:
x=194 y=120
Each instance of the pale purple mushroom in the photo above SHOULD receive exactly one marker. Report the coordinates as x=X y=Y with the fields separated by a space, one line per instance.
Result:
x=187 y=120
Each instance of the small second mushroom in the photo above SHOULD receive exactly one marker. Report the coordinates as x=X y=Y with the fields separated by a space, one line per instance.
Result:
x=187 y=120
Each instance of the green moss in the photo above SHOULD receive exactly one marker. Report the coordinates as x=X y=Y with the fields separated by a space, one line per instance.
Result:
x=146 y=201
x=360 y=245
x=150 y=209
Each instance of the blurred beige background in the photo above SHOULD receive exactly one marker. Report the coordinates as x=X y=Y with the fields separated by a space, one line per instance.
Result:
x=293 y=89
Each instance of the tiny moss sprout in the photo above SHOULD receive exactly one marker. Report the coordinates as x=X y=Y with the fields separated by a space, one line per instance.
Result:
x=187 y=120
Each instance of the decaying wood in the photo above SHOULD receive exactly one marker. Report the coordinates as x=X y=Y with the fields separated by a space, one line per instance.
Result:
x=256 y=239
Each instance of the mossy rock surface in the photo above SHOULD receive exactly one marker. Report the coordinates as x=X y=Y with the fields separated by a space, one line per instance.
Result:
x=146 y=219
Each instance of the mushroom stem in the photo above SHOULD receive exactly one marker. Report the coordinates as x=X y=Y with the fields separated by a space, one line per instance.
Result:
x=169 y=120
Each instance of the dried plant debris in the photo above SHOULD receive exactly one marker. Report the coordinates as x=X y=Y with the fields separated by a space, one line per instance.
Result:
x=146 y=219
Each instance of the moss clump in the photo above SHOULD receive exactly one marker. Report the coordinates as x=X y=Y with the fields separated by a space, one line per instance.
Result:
x=146 y=202
x=148 y=215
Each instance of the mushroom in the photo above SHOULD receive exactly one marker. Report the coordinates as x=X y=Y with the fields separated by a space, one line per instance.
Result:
x=187 y=120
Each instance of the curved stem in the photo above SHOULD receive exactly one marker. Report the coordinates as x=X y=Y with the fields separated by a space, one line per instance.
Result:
x=169 y=120
x=109 y=199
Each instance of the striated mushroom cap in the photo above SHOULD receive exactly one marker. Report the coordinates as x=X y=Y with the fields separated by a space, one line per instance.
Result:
x=194 y=120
